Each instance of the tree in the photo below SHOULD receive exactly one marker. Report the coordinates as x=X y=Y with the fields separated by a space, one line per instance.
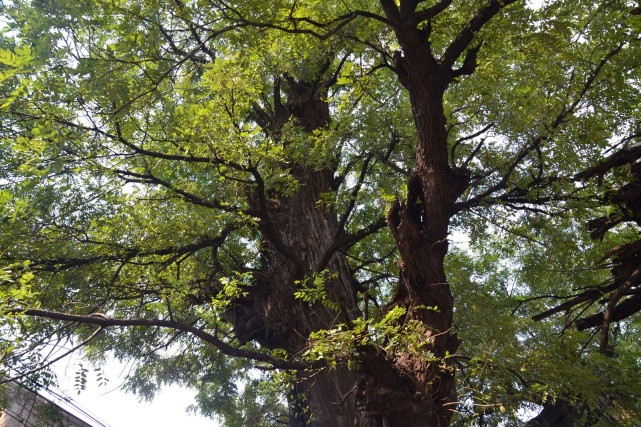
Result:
x=256 y=200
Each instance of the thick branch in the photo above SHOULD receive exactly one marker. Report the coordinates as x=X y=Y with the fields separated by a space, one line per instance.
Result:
x=622 y=311
x=391 y=11
x=620 y=158
x=431 y=12
x=465 y=37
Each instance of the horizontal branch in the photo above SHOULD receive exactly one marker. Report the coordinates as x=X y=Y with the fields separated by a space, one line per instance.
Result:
x=225 y=348
x=128 y=253
x=590 y=295
x=620 y=158
x=627 y=308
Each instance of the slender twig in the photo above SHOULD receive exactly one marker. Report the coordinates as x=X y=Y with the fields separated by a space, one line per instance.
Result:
x=54 y=360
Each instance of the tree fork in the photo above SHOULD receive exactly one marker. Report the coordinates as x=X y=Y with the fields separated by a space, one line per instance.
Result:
x=420 y=227
x=296 y=235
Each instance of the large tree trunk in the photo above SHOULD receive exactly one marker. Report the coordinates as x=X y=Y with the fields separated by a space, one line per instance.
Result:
x=296 y=235
x=309 y=231
x=420 y=228
x=404 y=391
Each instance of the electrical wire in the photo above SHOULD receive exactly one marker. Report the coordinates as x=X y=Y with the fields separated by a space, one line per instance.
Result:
x=61 y=400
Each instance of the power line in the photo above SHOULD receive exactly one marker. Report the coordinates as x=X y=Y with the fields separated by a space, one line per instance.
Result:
x=61 y=400
x=68 y=400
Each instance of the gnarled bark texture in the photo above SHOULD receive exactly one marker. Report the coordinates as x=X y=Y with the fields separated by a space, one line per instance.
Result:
x=392 y=391
x=297 y=241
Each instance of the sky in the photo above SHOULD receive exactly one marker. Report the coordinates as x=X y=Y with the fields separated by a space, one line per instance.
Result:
x=116 y=408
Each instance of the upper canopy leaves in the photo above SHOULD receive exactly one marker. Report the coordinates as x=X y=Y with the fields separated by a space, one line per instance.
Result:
x=137 y=134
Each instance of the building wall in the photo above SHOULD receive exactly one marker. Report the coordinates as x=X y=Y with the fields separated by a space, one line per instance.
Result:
x=25 y=408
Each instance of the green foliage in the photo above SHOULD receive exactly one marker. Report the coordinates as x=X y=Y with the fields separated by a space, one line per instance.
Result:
x=313 y=290
x=233 y=288
x=132 y=145
x=391 y=334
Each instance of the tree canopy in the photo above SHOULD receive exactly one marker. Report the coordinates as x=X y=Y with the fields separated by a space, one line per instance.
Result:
x=329 y=213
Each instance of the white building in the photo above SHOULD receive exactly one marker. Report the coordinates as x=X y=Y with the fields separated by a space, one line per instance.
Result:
x=23 y=407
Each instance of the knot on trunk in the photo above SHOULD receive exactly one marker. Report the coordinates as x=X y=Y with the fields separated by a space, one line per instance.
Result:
x=374 y=400
x=406 y=231
x=407 y=221
x=400 y=64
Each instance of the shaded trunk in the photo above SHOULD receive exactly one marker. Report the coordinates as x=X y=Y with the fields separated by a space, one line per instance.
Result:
x=309 y=231
x=402 y=391
x=296 y=235
x=420 y=228
x=558 y=414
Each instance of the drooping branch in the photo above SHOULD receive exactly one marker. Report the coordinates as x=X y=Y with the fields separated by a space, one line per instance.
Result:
x=178 y=50
x=118 y=138
x=354 y=193
x=149 y=178
x=199 y=41
x=196 y=36
x=192 y=28
x=54 y=360
x=614 y=311
x=105 y=321
x=156 y=84
x=322 y=31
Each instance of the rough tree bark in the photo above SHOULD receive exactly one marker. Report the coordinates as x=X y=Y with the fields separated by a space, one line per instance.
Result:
x=295 y=237
x=420 y=228
x=410 y=390
x=298 y=241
